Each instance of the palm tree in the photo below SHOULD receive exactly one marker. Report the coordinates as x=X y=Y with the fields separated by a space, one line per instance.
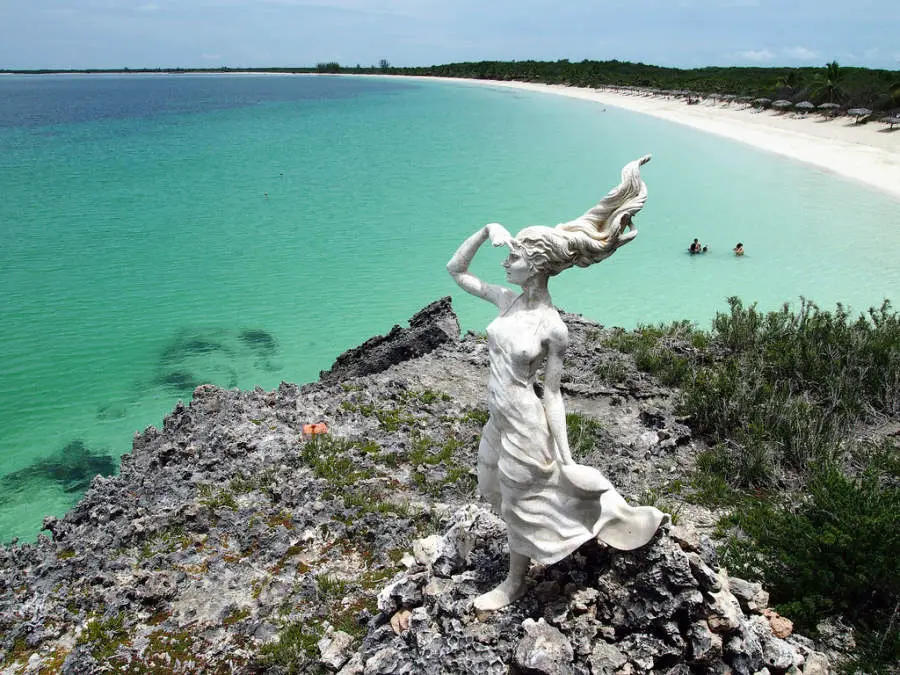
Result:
x=786 y=84
x=829 y=82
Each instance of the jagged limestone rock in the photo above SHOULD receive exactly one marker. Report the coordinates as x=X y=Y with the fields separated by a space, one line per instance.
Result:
x=543 y=650
x=335 y=649
x=749 y=593
x=598 y=611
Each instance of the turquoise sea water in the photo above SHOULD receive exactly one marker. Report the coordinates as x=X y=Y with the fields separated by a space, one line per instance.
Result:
x=163 y=231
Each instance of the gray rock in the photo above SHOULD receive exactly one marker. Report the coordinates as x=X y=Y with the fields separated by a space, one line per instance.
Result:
x=726 y=615
x=816 y=664
x=432 y=326
x=749 y=593
x=606 y=659
x=777 y=653
x=354 y=666
x=388 y=661
x=744 y=651
x=705 y=575
x=543 y=650
x=704 y=645
x=334 y=649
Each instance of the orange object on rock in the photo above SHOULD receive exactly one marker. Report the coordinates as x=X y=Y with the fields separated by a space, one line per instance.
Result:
x=310 y=430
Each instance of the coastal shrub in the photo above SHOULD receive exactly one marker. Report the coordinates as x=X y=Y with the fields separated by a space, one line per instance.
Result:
x=831 y=550
x=667 y=351
x=778 y=391
x=781 y=396
x=850 y=367
x=613 y=370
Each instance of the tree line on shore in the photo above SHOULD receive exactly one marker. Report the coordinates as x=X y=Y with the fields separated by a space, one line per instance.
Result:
x=876 y=89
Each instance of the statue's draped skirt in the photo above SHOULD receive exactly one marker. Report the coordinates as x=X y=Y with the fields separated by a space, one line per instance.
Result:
x=550 y=510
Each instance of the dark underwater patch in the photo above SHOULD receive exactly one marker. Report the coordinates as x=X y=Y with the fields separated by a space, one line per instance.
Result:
x=72 y=468
x=184 y=346
x=179 y=380
x=213 y=355
x=111 y=411
x=260 y=341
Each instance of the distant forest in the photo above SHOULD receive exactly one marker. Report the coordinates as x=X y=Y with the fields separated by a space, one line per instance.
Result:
x=849 y=87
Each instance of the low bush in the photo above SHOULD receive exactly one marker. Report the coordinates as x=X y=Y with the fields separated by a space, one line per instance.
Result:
x=832 y=550
x=780 y=395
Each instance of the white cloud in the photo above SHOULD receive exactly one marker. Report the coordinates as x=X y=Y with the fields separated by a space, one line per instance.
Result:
x=756 y=55
x=800 y=53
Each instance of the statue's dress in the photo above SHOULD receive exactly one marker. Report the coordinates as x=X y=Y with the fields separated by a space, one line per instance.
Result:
x=550 y=509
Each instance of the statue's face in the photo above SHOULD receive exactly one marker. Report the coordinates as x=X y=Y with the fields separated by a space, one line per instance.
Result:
x=518 y=271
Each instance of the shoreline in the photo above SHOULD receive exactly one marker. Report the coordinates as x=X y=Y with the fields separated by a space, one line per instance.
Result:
x=864 y=153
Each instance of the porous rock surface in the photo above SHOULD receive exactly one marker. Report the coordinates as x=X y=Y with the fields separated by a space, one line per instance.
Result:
x=659 y=609
x=230 y=543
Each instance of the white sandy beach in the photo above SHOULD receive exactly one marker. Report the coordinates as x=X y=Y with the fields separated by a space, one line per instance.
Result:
x=868 y=153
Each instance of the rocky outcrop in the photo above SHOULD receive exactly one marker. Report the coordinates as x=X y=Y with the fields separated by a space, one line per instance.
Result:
x=659 y=609
x=434 y=325
x=229 y=543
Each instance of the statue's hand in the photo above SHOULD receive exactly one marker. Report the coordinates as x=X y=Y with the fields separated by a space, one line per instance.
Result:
x=498 y=234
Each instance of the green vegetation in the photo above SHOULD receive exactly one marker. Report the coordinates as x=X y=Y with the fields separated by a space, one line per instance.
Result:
x=167 y=540
x=214 y=499
x=584 y=434
x=103 y=636
x=330 y=458
x=330 y=586
x=833 y=551
x=295 y=652
x=659 y=499
x=781 y=395
x=850 y=87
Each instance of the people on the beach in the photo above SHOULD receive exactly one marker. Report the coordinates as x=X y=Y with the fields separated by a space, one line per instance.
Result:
x=739 y=249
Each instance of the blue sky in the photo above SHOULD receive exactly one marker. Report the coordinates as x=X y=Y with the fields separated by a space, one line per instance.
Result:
x=252 y=33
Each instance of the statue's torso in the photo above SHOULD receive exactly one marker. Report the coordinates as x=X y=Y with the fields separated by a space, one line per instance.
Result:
x=518 y=343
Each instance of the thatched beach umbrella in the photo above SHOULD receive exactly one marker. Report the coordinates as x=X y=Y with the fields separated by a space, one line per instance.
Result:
x=829 y=108
x=859 y=113
x=805 y=105
x=782 y=103
x=892 y=120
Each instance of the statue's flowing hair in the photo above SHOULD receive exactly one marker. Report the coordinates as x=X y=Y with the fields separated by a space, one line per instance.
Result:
x=594 y=236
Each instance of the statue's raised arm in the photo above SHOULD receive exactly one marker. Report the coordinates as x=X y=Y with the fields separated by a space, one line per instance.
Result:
x=551 y=504
x=458 y=267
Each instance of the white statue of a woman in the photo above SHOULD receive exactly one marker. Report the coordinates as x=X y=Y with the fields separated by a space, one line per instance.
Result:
x=551 y=505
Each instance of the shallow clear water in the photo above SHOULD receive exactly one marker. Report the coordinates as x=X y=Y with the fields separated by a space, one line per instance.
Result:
x=164 y=231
